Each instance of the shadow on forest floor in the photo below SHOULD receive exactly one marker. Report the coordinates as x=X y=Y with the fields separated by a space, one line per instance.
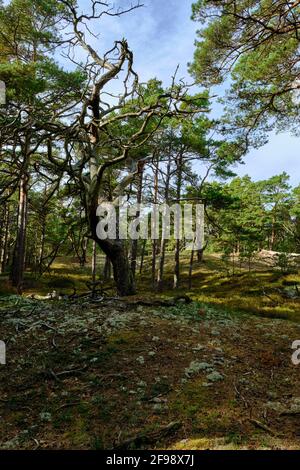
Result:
x=263 y=292
x=86 y=375
x=90 y=375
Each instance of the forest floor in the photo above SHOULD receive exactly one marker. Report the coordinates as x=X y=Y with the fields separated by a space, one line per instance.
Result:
x=212 y=374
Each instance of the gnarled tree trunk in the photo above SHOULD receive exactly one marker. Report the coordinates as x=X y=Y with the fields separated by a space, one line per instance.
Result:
x=115 y=250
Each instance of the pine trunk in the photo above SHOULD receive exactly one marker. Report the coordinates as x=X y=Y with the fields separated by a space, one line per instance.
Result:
x=17 y=273
x=163 y=242
x=179 y=162
x=116 y=252
x=134 y=245
x=154 y=241
x=94 y=262
x=5 y=239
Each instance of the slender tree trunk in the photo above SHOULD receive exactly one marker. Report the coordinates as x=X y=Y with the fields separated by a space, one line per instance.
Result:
x=273 y=235
x=191 y=268
x=42 y=244
x=94 y=262
x=134 y=245
x=154 y=241
x=2 y=234
x=163 y=243
x=179 y=161
x=5 y=238
x=177 y=265
x=143 y=256
x=52 y=256
x=162 y=257
x=153 y=261
x=84 y=246
x=7 y=252
x=17 y=273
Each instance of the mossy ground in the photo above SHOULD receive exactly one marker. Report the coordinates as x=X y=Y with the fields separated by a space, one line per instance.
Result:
x=254 y=291
x=88 y=375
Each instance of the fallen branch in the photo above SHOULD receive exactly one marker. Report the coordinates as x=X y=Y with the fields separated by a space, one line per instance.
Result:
x=160 y=302
x=149 y=438
x=91 y=294
x=57 y=375
x=37 y=444
x=263 y=426
x=274 y=302
x=67 y=405
x=71 y=371
x=102 y=378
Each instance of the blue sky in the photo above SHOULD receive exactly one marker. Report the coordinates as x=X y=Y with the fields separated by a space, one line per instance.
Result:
x=162 y=35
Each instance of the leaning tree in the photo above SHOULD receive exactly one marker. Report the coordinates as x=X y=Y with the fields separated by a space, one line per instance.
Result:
x=110 y=127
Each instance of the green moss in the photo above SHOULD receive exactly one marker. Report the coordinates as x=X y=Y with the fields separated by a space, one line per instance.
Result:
x=77 y=434
x=243 y=292
x=123 y=337
x=192 y=399
x=97 y=443
x=63 y=418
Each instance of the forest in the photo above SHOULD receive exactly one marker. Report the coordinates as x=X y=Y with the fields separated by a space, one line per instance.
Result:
x=187 y=337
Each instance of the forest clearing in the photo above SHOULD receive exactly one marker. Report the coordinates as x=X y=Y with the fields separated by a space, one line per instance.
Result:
x=149 y=227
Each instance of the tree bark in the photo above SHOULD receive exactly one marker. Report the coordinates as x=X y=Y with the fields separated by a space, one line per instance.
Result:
x=191 y=268
x=154 y=241
x=84 y=246
x=200 y=253
x=179 y=161
x=94 y=262
x=115 y=250
x=163 y=243
x=143 y=256
x=42 y=243
x=5 y=238
x=107 y=269
x=273 y=235
x=134 y=245
x=17 y=273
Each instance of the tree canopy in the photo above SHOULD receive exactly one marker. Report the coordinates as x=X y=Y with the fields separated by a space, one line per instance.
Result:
x=252 y=46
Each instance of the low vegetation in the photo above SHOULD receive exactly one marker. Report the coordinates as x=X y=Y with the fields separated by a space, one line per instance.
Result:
x=109 y=373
